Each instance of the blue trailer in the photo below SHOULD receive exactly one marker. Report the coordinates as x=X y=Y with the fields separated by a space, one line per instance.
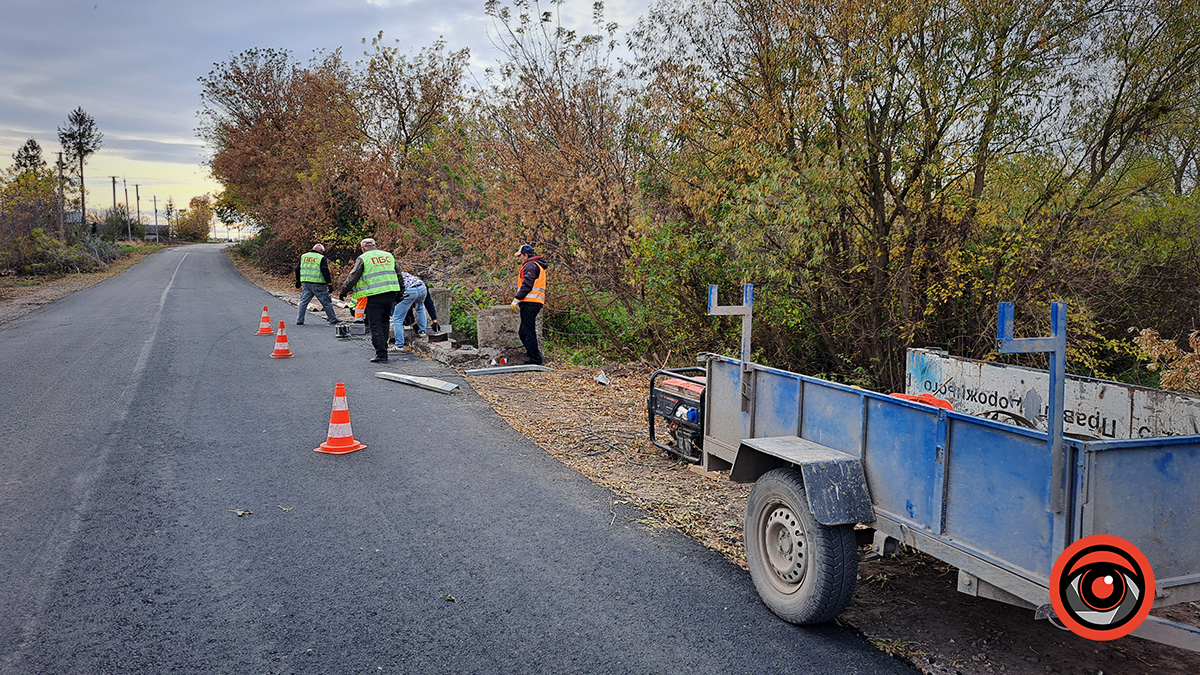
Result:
x=999 y=502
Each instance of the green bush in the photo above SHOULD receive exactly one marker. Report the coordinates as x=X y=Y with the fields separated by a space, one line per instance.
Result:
x=464 y=303
x=44 y=254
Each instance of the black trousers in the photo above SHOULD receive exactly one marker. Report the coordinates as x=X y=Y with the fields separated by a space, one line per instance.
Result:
x=528 y=331
x=376 y=313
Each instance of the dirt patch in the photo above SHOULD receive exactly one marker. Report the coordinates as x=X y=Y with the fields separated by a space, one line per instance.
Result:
x=905 y=605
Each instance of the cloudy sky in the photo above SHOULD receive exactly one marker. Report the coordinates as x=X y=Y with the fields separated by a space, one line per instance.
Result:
x=133 y=66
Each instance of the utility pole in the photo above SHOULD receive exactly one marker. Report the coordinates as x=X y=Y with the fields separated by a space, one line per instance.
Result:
x=128 y=223
x=157 y=234
x=114 y=208
x=58 y=206
x=138 y=196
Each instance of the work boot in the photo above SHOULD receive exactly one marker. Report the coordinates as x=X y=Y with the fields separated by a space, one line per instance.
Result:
x=379 y=359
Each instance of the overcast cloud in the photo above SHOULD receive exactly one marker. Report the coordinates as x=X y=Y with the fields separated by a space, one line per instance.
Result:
x=133 y=66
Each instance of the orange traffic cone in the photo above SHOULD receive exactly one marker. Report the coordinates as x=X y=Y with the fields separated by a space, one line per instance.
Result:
x=281 y=345
x=264 y=326
x=340 y=439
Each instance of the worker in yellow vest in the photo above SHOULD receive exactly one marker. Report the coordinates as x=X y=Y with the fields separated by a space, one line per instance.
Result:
x=376 y=275
x=531 y=295
x=312 y=274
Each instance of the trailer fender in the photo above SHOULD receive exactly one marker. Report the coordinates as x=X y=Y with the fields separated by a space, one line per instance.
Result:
x=834 y=481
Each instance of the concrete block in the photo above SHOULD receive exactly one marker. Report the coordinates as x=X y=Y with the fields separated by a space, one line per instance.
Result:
x=441 y=303
x=444 y=352
x=497 y=327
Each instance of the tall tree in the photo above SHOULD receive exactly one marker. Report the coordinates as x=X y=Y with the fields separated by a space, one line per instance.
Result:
x=80 y=139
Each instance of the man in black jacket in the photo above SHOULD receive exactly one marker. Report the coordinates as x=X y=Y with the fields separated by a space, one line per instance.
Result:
x=531 y=295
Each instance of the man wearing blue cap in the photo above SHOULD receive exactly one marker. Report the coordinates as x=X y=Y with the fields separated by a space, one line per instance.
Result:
x=531 y=295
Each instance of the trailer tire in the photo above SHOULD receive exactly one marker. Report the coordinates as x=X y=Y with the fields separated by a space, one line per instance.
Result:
x=804 y=571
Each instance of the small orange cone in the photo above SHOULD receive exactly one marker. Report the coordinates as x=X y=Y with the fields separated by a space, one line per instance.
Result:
x=281 y=345
x=340 y=439
x=264 y=326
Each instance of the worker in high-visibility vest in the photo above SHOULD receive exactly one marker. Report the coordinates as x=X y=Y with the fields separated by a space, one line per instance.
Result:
x=312 y=274
x=531 y=295
x=376 y=275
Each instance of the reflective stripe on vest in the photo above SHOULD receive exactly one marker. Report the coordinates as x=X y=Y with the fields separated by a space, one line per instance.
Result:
x=310 y=268
x=538 y=292
x=379 y=274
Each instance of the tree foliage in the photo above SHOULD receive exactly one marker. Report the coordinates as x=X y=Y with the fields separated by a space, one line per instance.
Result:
x=887 y=172
x=884 y=172
x=1180 y=369
x=555 y=159
x=28 y=158
x=194 y=222
x=28 y=202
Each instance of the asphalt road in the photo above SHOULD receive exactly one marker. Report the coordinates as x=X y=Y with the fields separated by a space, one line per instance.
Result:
x=140 y=414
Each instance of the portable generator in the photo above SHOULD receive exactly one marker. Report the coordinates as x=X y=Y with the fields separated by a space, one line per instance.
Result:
x=679 y=400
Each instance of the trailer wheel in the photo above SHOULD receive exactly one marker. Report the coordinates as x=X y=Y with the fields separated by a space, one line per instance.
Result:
x=804 y=571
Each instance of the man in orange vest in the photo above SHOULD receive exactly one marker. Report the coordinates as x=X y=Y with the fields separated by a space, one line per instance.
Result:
x=531 y=295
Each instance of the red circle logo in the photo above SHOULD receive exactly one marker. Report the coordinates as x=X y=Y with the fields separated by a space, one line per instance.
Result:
x=1102 y=587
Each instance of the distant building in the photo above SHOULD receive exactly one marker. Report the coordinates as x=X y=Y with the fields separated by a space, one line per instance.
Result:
x=96 y=225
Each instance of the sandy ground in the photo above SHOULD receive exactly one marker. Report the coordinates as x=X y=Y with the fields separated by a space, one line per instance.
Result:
x=905 y=605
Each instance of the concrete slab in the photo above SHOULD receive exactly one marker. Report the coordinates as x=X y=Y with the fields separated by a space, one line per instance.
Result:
x=430 y=383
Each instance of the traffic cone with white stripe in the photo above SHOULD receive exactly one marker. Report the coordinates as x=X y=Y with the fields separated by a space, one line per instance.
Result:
x=340 y=439
x=264 y=325
x=281 y=345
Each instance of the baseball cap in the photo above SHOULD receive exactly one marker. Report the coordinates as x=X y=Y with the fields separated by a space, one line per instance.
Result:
x=526 y=249
x=367 y=242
